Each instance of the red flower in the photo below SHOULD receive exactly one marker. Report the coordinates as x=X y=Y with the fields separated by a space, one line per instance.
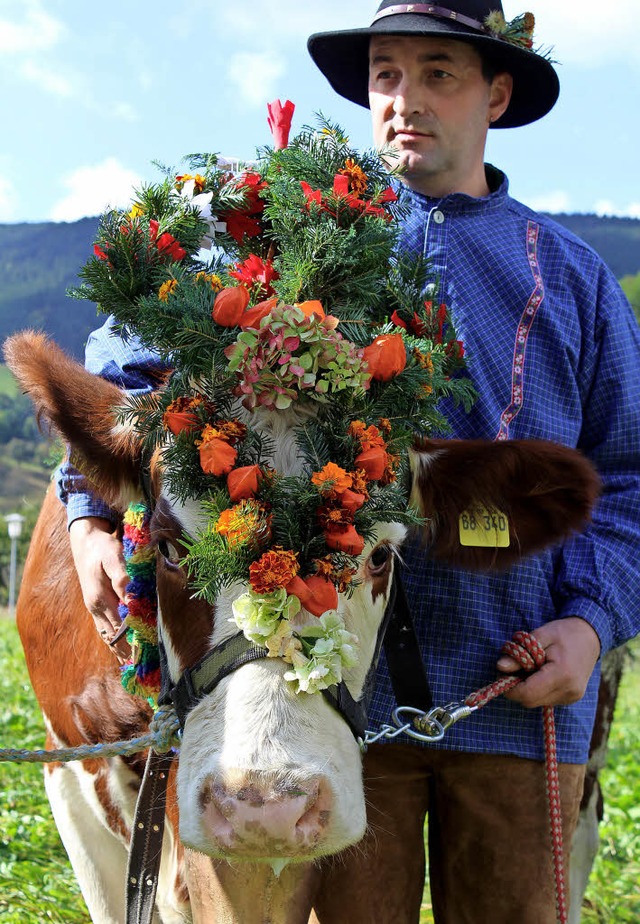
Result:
x=255 y=271
x=239 y=225
x=386 y=357
x=311 y=195
x=455 y=348
x=229 y=305
x=279 y=119
x=416 y=325
x=100 y=254
x=169 y=246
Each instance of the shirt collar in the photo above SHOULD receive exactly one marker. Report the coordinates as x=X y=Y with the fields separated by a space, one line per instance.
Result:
x=462 y=202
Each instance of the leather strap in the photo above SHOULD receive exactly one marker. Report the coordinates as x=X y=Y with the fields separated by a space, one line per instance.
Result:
x=145 y=850
x=404 y=659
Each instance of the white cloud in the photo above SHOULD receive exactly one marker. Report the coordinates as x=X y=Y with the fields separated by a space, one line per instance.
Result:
x=607 y=207
x=28 y=30
x=48 y=80
x=94 y=189
x=556 y=201
x=125 y=111
x=299 y=20
x=7 y=199
x=255 y=75
x=586 y=33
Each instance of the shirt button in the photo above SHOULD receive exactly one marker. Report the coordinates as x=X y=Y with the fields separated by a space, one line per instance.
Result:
x=438 y=217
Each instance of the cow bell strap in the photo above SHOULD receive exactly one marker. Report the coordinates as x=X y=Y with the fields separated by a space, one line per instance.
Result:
x=143 y=866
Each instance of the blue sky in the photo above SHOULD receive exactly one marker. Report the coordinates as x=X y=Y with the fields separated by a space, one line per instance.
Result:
x=93 y=93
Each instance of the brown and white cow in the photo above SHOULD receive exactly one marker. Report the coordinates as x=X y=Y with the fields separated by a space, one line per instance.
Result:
x=265 y=775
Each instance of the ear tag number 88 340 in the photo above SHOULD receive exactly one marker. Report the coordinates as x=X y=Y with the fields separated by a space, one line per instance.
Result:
x=484 y=528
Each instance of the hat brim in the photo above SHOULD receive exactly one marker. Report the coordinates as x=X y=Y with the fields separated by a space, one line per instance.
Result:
x=343 y=58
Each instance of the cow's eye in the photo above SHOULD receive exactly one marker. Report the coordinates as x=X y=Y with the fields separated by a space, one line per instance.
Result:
x=379 y=559
x=169 y=551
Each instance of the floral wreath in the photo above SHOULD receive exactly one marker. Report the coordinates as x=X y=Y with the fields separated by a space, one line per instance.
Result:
x=303 y=301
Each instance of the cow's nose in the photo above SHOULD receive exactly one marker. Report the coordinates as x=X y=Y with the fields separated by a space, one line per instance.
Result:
x=265 y=816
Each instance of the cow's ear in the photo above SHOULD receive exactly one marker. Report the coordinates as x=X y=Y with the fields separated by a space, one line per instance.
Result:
x=82 y=408
x=490 y=503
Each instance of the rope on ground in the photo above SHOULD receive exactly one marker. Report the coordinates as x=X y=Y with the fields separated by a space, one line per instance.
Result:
x=162 y=736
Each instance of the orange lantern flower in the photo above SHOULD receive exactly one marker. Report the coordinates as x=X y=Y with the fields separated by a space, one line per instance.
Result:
x=316 y=593
x=348 y=541
x=229 y=305
x=386 y=357
x=242 y=483
x=311 y=307
x=253 y=316
x=352 y=500
x=217 y=457
x=373 y=461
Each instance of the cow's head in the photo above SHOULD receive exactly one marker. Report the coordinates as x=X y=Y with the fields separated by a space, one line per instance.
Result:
x=264 y=771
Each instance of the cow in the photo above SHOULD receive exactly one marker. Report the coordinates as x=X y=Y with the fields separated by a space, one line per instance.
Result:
x=268 y=781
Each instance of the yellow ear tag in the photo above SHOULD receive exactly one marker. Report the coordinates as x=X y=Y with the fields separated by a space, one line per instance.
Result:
x=484 y=528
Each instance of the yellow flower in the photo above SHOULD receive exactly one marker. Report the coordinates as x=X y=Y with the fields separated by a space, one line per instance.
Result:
x=166 y=289
x=136 y=211
x=211 y=278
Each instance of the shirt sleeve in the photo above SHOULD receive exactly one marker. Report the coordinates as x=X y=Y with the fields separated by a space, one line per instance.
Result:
x=599 y=574
x=131 y=366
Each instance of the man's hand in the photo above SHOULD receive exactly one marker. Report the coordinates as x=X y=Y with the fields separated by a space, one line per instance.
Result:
x=572 y=648
x=97 y=554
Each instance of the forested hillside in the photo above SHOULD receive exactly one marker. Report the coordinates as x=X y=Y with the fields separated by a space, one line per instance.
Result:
x=38 y=263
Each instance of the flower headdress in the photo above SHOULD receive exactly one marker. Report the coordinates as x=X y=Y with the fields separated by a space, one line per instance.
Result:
x=304 y=303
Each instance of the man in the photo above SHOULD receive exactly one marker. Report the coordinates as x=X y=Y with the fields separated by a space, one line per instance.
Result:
x=552 y=349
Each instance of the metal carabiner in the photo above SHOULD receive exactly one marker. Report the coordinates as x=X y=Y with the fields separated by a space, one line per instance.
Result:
x=430 y=726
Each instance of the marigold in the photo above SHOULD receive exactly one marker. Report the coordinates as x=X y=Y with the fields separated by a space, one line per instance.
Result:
x=273 y=570
x=166 y=289
x=337 y=518
x=355 y=174
x=332 y=480
x=360 y=482
x=244 y=523
x=211 y=278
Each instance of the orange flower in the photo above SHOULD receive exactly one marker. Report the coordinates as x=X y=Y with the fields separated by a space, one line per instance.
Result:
x=335 y=518
x=217 y=457
x=242 y=483
x=180 y=415
x=244 y=523
x=273 y=570
x=356 y=176
x=229 y=305
x=352 y=500
x=360 y=482
x=386 y=357
x=316 y=593
x=390 y=472
x=252 y=317
x=332 y=479
x=311 y=307
x=231 y=430
x=373 y=461
x=349 y=541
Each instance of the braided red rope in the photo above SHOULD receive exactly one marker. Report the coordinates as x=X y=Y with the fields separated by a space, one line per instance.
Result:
x=529 y=654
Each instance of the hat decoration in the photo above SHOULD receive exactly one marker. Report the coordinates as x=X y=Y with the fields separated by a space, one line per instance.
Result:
x=302 y=308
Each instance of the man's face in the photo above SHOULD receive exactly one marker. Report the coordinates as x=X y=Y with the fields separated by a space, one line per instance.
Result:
x=431 y=103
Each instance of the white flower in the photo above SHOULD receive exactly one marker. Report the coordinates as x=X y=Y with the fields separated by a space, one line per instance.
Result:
x=203 y=203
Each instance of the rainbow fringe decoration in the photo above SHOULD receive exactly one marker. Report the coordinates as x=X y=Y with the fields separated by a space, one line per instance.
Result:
x=141 y=675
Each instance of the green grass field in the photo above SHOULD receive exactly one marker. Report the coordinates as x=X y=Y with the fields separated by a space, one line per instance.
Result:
x=37 y=885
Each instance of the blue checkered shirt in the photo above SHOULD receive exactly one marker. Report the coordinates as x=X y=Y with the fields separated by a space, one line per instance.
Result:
x=553 y=349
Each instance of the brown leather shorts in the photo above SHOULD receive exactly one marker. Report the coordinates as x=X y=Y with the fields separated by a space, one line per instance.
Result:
x=490 y=858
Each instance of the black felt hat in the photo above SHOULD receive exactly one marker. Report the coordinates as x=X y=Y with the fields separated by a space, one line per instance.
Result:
x=343 y=57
